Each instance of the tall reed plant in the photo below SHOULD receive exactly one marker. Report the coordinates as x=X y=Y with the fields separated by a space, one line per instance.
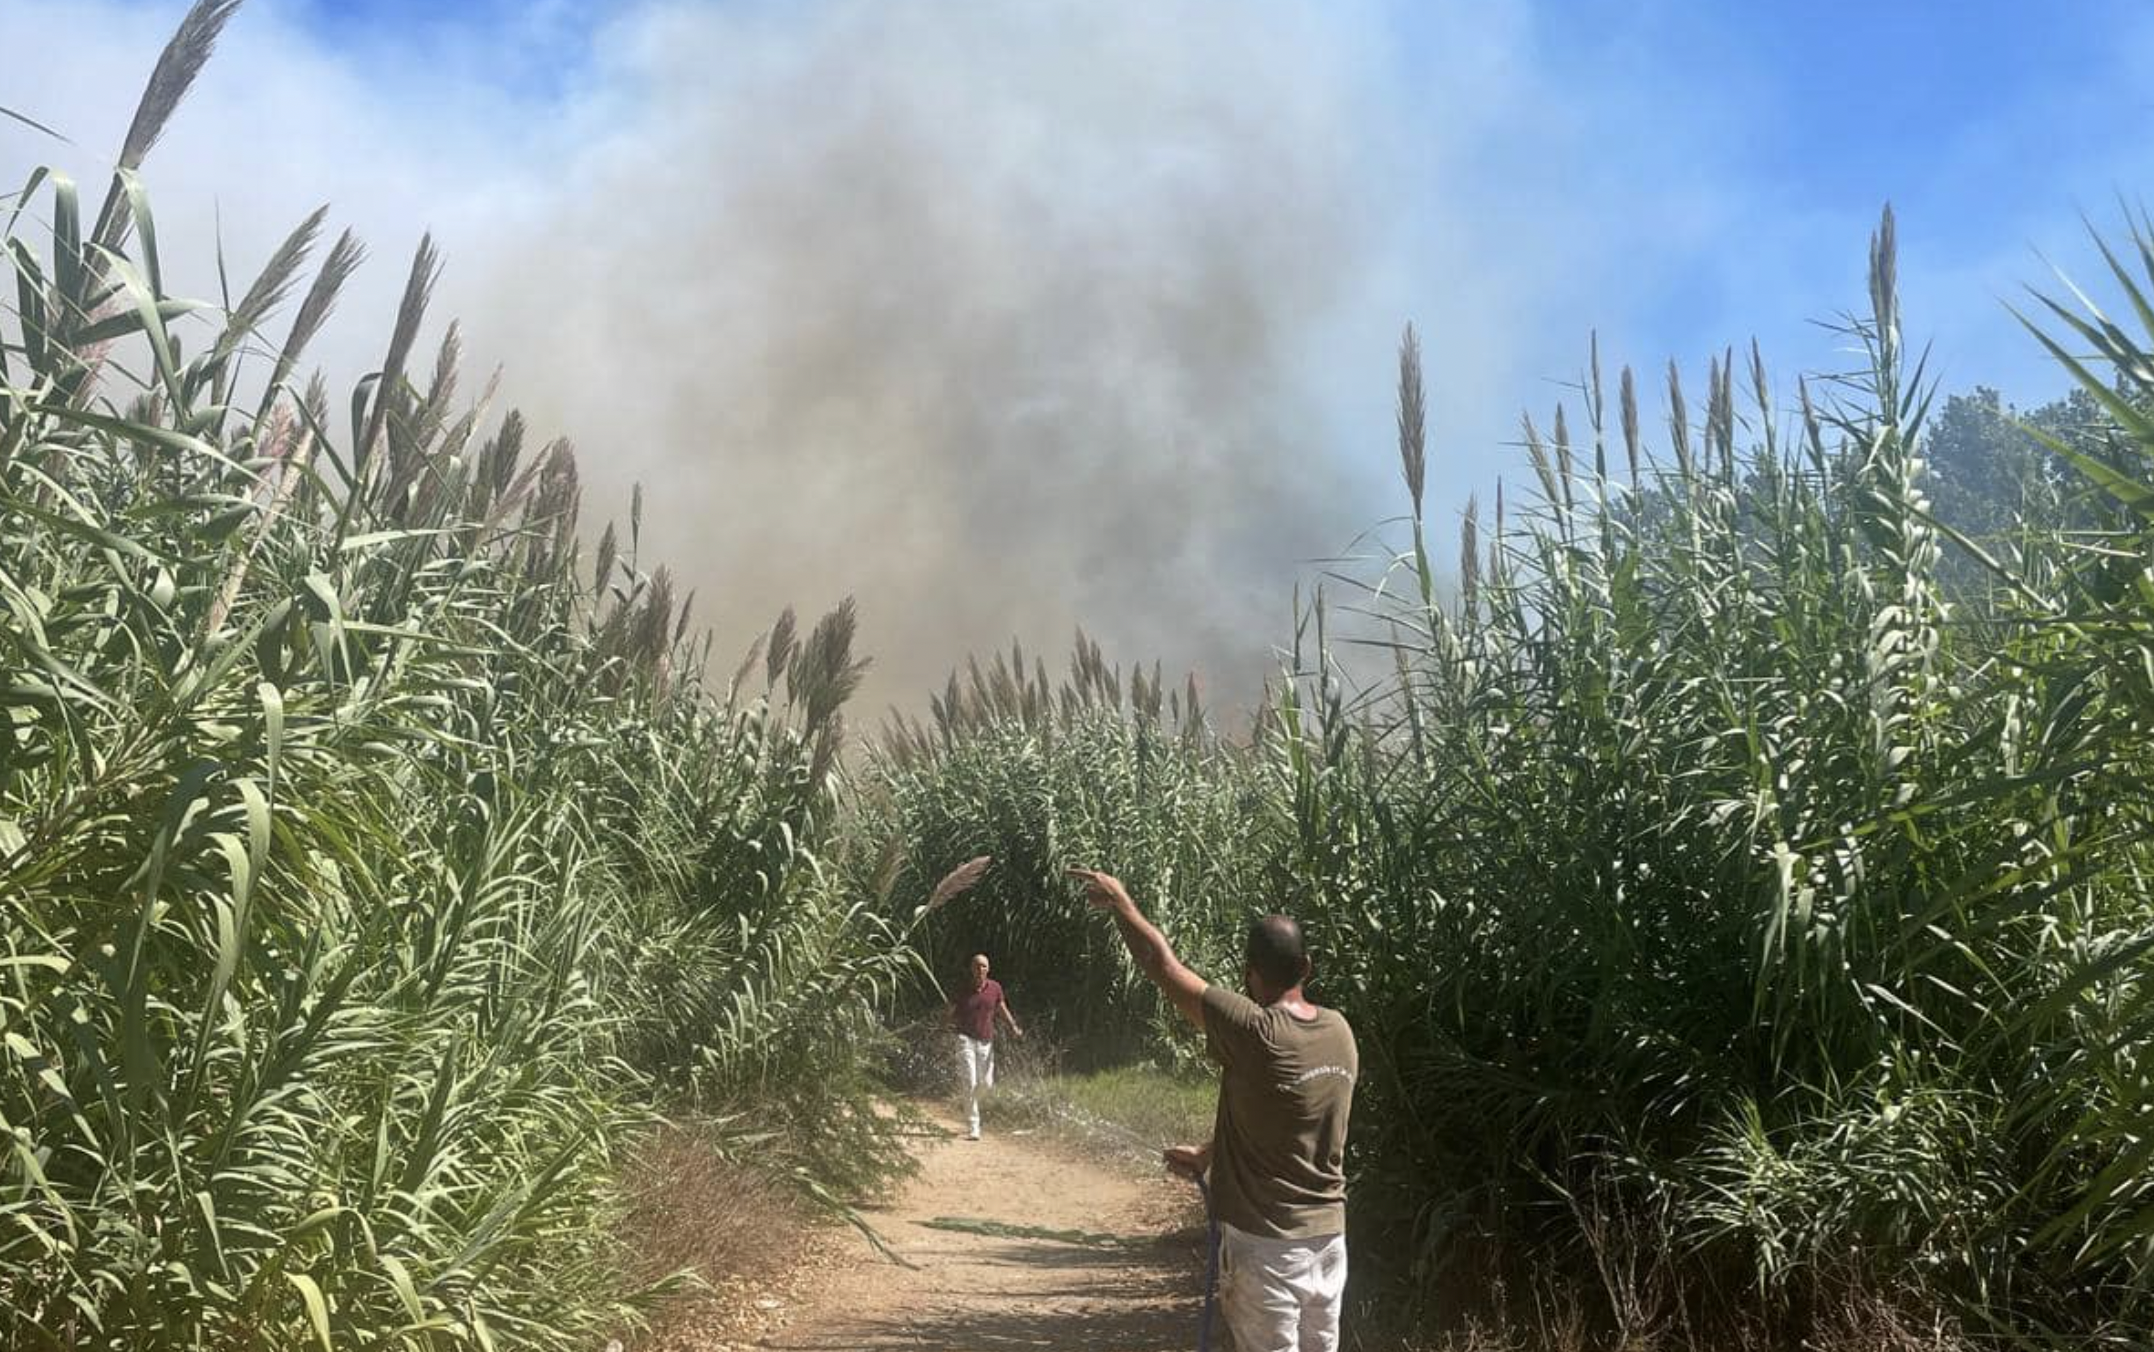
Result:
x=372 y=860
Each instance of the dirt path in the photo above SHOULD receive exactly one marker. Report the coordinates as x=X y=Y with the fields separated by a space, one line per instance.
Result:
x=973 y=1292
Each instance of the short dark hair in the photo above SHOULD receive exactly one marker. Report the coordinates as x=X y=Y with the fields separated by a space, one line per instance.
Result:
x=1276 y=951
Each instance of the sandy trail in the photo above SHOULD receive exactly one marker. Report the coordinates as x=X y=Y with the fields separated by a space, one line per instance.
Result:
x=970 y=1292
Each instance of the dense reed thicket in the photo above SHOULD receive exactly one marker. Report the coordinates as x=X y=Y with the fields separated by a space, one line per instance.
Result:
x=1733 y=914
x=1037 y=777
x=371 y=864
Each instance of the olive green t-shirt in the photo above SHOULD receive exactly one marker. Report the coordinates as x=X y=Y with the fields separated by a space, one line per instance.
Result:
x=1279 y=1144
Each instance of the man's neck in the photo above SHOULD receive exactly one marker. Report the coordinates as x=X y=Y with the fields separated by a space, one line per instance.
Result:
x=1294 y=1002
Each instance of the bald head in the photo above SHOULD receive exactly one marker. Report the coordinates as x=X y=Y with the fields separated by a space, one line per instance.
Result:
x=1275 y=953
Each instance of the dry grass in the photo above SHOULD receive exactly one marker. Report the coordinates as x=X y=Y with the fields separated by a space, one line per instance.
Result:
x=730 y=1241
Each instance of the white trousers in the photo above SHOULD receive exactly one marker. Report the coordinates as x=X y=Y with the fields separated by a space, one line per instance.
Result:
x=1281 y=1295
x=976 y=1071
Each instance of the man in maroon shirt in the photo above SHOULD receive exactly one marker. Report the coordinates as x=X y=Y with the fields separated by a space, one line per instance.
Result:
x=973 y=1014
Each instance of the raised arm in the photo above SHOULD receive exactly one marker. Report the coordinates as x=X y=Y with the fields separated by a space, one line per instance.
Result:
x=1154 y=956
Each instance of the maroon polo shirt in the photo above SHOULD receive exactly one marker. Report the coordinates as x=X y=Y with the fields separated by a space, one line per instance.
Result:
x=976 y=1011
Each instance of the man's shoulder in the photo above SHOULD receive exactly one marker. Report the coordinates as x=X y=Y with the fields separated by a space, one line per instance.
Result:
x=1334 y=1021
x=1231 y=1003
x=1231 y=1017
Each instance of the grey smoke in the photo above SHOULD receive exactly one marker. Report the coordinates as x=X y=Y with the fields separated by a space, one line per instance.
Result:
x=993 y=315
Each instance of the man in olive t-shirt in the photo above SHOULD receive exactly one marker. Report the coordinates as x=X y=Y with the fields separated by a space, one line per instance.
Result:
x=1276 y=1159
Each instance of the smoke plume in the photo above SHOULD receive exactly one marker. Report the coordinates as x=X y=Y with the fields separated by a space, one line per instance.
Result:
x=989 y=314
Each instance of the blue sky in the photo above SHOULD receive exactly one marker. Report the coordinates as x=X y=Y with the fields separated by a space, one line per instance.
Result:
x=1989 y=126
x=1039 y=312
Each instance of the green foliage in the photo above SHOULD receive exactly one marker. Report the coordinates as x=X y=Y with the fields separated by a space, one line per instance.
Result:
x=1993 y=480
x=365 y=871
x=1129 y=1112
x=1042 y=781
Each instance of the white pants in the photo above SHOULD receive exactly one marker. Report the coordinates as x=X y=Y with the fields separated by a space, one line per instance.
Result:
x=1281 y=1295
x=976 y=1071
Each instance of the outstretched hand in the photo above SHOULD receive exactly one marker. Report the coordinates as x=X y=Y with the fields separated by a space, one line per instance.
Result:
x=1103 y=890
